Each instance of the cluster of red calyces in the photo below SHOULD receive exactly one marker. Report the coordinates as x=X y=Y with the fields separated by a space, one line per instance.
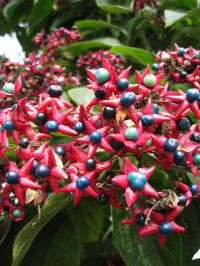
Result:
x=139 y=127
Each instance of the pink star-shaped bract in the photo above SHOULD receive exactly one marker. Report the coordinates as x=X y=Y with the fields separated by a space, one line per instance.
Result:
x=132 y=194
x=180 y=59
x=55 y=171
x=144 y=90
x=103 y=143
x=81 y=114
x=158 y=118
x=3 y=143
x=83 y=156
x=111 y=192
x=31 y=152
x=184 y=104
x=46 y=101
x=17 y=87
x=157 y=220
x=137 y=146
x=77 y=192
x=25 y=180
x=194 y=77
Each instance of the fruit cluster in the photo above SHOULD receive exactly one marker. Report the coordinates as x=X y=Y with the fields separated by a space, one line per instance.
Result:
x=112 y=149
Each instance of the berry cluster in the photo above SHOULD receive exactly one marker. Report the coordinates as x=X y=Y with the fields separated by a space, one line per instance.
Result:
x=139 y=128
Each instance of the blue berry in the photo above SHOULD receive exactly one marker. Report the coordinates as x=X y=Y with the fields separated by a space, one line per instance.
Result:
x=8 y=125
x=55 y=90
x=182 y=200
x=181 y=51
x=147 y=120
x=90 y=164
x=95 y=137
x=42 y=170
x=193 y=188
x=34 y=166
x=24 y=142
x=193 y=95
x=171 y=144
x=109 y=112
x=183 y=74
x=60 y=150
x=127 y=99
x=40 y=119
x=140 y=218
x=12 y=177
x=179 y=157
x=102 y=199
x=165 y=228
x=156 y=108
x=100 y=94
x=137 y=180
x=79 y=127
x=51 y=125
x=122 y=84
x=183 y=124
x=155 y=67
x=82 y=182
x=195 y=136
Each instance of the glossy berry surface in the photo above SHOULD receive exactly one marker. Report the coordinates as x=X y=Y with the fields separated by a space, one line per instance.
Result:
x=109 y=112
x=40 y=119
x=196 y=158
x=179 y=157
x=12 y=177
x=122 y=84
x=127 y=99
x=155 y=108
x=147 y=120
x=193 y=189
x=34 y=166
x=17 y=213
x=90 y=164
x=24 y=142
x=8 y=87
x=149 y=80
x=131 y=133
x=116 y=145
x=102 y=75
x=171 y=144
x=195 y=136
x=193 y=95
x=42 y=170
x=181 y=51
x=182 y=200
x=183 y=74
x=137 y=180
x=95 y=137
x=155 y=67
x=51 y=125
x=61 y=151
x=8 y=125
x=183 y=124
x=55 y=90
x=102 y=199
x=82 y=182
x=100 y=94
x=79 y=127
x=165 y=228
x=140 y=218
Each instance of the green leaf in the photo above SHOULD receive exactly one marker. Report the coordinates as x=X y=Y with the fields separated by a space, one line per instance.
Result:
x=26 y=236
x=111 y=8
x=5 y=224
x=40 y=11
x=11 y=7
x=77 y=48
x=81 y=95
x=144 y=251
x=93 y=24
x=142 y=56
x=172 y=16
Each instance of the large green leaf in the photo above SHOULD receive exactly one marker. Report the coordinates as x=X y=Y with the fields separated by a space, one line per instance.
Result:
x=5 y=224
x=11 y=7
x=172 y=16
x=144 y=251
x=27 y=235
x=81 y=95
x=40 y=11
x=93 y=24
x=142 y=56
x=77 y=48
x=111 y=8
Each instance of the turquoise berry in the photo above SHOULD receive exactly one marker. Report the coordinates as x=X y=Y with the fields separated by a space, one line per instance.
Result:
x=165 y=228
x=171 y=145
x=95 y=137
x=156 y=108
x=131 y=133
x=196 y=55
x=122 y=84
x=155 y=67
x=8 y=125
x=181 y=51
x=8 y=87
x=149 y=80
x=51 y=125
x=39 y=67
x=193 y=95
x=60 y=79
x=82 y=182
x=127 y=98
x=102 y=75
x=196 y=158
x=147 y=120
x=17 y=213
x=137 y=180
x=193 y=188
